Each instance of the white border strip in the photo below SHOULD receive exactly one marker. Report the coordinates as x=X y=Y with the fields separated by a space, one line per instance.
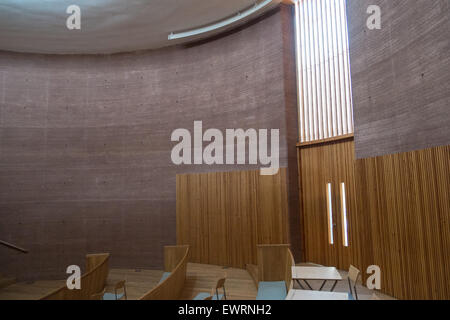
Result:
x=221 y=24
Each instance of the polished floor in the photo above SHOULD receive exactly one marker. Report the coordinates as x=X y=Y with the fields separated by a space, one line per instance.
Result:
x=200 y=278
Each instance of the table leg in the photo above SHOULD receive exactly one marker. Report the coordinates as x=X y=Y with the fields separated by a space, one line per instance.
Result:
x=310 y=288
x=334 y=285
x=321 y=287
x=299 y=283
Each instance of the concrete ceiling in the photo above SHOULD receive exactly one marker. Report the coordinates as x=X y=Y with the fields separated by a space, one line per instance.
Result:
x=107 y=26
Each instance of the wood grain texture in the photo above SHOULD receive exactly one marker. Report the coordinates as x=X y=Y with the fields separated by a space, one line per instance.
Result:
x=330 y=162
x=172 y=287
x=172 y=256
x=398 y=211
x=405 y=199
x=203 y=278
x=92 y=282
x=274 y=263
x=224 y=215
x=199 y=278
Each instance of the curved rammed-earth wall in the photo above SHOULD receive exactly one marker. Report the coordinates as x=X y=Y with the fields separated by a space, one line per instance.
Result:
x=400 y=78
x=85 y=141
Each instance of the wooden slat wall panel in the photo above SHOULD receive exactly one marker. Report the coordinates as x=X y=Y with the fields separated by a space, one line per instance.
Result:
x=406 y=199
x=224 y=215
x=328 y=163
x=398 y=215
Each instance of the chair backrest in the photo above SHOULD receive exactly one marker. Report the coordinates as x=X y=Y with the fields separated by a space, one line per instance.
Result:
x=353 y=275
x=220 y=283
x=121 y=285
x=99 y=295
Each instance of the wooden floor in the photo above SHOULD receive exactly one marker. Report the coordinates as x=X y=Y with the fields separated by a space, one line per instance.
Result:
x=29 y=291
x=200 y=278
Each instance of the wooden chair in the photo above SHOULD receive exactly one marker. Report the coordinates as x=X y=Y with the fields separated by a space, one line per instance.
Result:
x=221 y=285
x=99 y=295
x=117 y=295
x=353 y=275
x=214 y=296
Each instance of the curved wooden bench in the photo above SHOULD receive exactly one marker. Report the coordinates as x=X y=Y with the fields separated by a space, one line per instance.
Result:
x=274 y=271
x=92 y=282
x=170 y=288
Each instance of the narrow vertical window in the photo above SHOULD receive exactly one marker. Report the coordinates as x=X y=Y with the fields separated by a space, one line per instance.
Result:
x=344 y=216
x=330 y=214
x=323 y=69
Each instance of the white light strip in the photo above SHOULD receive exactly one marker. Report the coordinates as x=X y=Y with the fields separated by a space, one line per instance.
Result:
x=325 y=107
x=220 y=24
x=330 y=215
x=344 y=215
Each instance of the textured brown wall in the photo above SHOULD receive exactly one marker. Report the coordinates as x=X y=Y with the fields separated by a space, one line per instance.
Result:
x=85 y=141
x=400 y=76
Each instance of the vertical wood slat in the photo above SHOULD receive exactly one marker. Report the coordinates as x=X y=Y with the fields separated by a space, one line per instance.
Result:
x=398 y=212
x=319 y=165
x=329 y=213
x=325 y=102
x=408 y=207
x=224 y=215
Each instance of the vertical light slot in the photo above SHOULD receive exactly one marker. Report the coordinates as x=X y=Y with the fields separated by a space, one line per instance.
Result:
x=331 y=61
x=308 y=32
x=330 y=214
x=344 y=215
x=313 y=39
x=324 y=78
x=327 y=68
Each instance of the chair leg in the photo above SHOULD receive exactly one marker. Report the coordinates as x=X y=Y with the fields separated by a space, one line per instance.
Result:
x=307 y=283
x=350 y=286
x=334 y=286
x=224 y=293
x=356 y=293
x=323 y=283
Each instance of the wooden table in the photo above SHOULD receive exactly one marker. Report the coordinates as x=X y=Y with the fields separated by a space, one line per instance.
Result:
x=315 y=295
x=316 y=273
